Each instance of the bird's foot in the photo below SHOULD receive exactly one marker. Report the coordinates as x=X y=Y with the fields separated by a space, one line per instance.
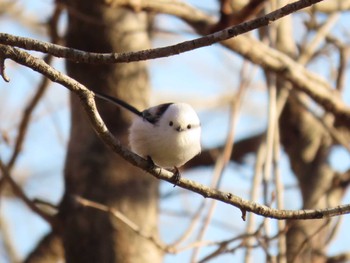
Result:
x=151 y=164
x=177 y=176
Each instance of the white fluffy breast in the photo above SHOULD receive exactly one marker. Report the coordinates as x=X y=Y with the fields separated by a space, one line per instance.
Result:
x=172 y=141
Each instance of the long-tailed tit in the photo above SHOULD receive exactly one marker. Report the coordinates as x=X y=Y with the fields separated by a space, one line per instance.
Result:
x=168 y=134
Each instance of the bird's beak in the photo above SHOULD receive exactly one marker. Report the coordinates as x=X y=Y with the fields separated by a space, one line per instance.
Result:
x=179 y=129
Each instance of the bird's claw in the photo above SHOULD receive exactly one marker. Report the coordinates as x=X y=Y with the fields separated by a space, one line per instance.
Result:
x=177 y=176
x=151 y=164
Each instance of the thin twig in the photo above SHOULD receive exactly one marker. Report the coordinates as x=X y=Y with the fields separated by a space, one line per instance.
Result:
x=7 y=240
x=118 y=215
x=191 y=227
x=270 y=136
x=2 y=70
x=18 y=191
x=311 y=47
x=223 y=245
x=334 y=231
x=307 y=240
x=282 y=245
x=254 y=194
x=224 y=157
x=26 y=117
x=344 y=51
x=34 y=101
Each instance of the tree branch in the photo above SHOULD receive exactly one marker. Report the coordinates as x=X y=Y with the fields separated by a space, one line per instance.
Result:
x=302 y=79
x=340 y=258
x=92 y=58
x=18 y=191
x=118 y=215
x=42 y=87
x=87 y=100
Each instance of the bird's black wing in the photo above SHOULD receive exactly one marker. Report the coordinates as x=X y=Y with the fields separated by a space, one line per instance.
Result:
x=153 y=114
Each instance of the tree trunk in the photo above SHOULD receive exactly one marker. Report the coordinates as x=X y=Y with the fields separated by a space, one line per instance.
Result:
x=92 y=170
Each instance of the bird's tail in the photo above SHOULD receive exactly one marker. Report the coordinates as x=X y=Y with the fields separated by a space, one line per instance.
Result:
x=118 y=102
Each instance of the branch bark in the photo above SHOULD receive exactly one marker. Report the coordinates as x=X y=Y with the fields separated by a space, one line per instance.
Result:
x=255 y=51
x=87 y=100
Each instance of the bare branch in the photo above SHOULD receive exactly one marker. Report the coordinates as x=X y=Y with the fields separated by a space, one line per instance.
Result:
x=24 y=123
x=228 y=18
x=18 y=191
x=257 y=52
x=193 y=224
x=309 y=237
x=115 y=213
x=91 y=58
x=87 y=100
x=173 y=249
x=27 y=114
x=224 y=156
x=329 y=7
x=2 y=70
x=343 y=60
x=344 y=257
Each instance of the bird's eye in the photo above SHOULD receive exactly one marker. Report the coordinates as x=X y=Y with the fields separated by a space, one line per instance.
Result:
x=189 y=126
x=171 y=123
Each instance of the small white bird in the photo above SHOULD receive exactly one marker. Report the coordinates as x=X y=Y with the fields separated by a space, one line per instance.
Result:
x=168 y=134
